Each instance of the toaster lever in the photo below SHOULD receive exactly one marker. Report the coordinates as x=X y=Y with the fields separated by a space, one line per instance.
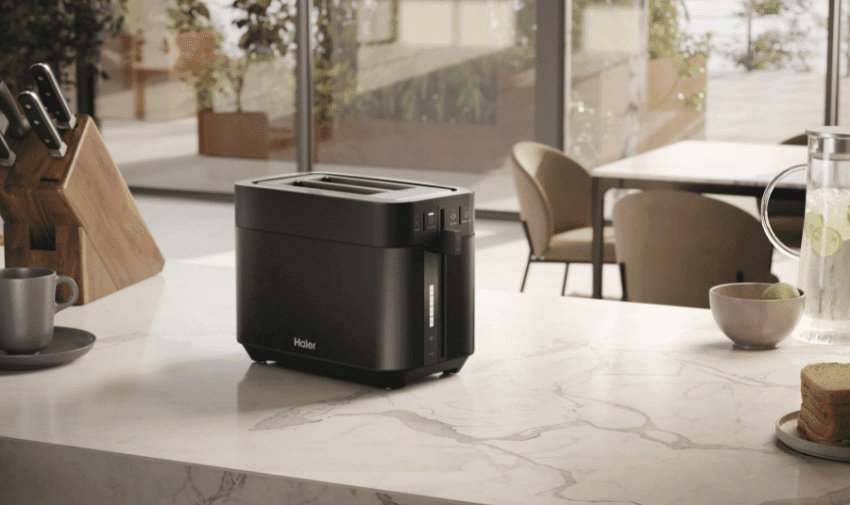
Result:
x=451 y=242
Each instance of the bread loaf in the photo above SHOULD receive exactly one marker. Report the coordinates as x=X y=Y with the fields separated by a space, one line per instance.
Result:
x=825 y=410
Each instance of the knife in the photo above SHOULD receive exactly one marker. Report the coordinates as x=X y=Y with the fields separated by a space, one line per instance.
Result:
x=7 y=157
x=51 y=96
x=19 y=127
x=41 y=123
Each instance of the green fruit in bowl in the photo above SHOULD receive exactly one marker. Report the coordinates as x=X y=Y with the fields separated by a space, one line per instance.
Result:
x=780 y=291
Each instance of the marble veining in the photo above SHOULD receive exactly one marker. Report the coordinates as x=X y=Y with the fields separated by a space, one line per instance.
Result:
x=91 y=477
x=314 y=413
x=565 y=401
x=230 y=485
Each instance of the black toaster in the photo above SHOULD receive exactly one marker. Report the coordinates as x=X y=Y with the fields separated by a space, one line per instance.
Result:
x=361 y=278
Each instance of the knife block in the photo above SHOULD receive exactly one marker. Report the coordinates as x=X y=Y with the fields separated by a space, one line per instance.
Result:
x=75 y=215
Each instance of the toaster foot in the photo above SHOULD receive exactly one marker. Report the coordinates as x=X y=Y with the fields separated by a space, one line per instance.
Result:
x=386 y=379
x=258 y=354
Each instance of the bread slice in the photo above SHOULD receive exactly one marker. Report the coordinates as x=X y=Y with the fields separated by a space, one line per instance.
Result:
x=825 y=410
x=814 y=437
x=823 y=406
x=828 y=381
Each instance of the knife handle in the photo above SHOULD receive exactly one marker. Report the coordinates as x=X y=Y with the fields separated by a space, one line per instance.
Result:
x=41 y=123
x=7 y=157
x=19 y=127
x=51 y=96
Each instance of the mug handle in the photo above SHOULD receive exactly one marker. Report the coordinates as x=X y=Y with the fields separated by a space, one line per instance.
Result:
x=75 y=292
x=763 y=211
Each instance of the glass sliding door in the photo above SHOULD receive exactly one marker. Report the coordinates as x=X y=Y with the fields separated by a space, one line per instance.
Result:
x=645 y=73
x=202 y=93
x=429 y=85
x=637 y=79
x=199 y=92
x=767 y=70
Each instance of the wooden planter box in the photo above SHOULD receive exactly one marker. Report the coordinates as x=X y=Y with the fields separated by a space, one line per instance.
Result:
x=233 y=134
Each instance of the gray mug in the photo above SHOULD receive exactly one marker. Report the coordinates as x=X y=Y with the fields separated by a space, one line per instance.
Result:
x=28 y=305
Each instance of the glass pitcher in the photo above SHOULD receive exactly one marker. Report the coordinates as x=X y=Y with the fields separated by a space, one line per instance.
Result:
x=824 y=269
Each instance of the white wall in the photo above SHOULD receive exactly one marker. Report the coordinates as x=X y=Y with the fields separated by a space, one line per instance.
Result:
x=489 y=23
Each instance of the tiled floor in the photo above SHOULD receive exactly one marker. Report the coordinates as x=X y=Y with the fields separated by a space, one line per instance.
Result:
x=203 y=232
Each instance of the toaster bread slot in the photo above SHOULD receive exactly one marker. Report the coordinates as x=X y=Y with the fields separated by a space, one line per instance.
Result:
x=366 y=183
x=335 y=186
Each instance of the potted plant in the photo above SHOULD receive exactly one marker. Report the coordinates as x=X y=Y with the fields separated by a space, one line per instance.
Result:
x=239 y=133
x=198 y=43
x=65 y=34
x=235 y=133
x=232 y=134
x=267 y=34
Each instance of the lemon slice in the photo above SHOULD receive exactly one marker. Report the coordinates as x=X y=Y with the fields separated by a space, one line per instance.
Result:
x=839 y=223
x=825 y=241
x=813 y=221
x=780 y=291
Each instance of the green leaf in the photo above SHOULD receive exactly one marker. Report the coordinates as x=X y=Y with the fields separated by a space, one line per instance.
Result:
x=202 y=10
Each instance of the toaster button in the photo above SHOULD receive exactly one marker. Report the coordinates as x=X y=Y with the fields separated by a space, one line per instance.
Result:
x=417 y=222
x=431 y=221
x=465 y=214
x=432 y=349
x=453 y=217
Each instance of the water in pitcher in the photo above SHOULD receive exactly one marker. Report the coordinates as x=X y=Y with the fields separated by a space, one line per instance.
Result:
x=825 y=266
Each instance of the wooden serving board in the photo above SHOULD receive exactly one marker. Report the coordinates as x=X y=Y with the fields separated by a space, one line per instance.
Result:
x=75 y=215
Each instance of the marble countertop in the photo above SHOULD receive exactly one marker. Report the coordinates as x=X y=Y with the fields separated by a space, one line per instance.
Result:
x=566 y=400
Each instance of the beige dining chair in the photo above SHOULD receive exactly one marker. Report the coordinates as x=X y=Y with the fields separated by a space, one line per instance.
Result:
x=554 y=200
x=673 y=246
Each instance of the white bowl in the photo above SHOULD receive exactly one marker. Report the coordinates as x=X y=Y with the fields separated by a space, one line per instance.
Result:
x=749 y=321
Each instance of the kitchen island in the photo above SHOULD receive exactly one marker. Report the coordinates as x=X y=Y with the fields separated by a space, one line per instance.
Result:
x=565 y=401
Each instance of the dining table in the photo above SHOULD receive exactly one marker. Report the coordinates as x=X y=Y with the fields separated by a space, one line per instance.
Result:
x=703 y=166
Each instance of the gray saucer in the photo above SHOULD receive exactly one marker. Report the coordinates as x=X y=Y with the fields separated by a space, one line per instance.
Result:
x=67 y=345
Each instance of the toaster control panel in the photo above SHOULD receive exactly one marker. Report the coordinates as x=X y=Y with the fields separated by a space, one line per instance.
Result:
x=435 y=219
x=442 y=229
x=433 y=323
